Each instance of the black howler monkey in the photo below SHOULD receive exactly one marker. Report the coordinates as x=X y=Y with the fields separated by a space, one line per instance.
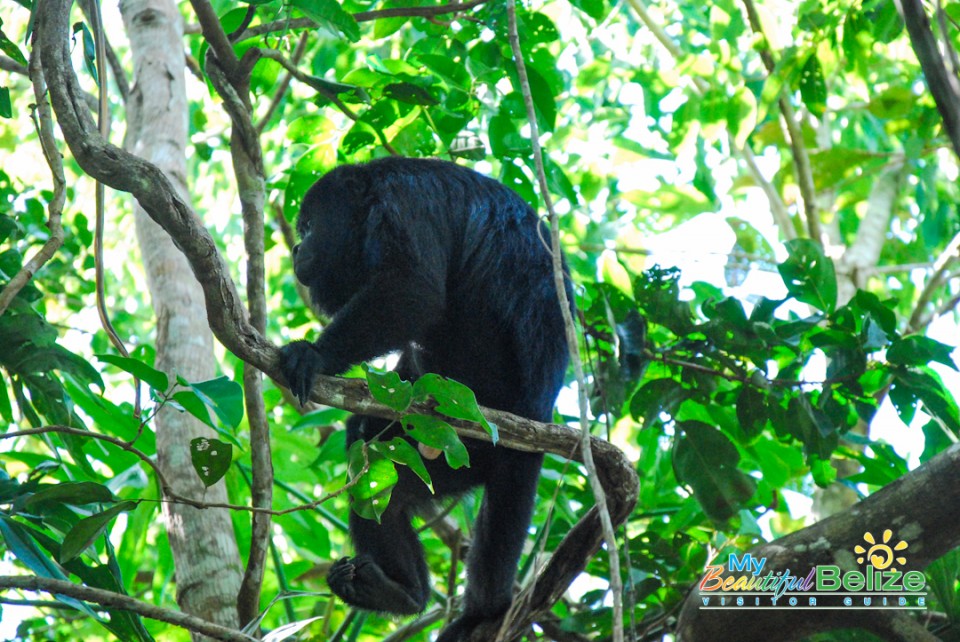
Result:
x=450 y=268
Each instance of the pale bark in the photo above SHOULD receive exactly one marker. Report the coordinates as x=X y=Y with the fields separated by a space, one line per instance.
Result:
x=204 y=547
x=859 y=260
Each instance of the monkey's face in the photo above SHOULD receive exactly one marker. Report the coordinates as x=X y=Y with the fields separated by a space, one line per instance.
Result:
x=328 y=258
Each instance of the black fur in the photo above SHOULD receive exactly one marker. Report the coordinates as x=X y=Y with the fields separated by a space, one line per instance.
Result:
x=449 y=267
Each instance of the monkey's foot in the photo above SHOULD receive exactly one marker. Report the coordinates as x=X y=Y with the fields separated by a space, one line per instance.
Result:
x=362 y=583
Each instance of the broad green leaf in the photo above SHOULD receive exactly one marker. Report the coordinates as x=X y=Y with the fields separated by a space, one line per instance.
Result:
x=389 y=389
x=813 y=87
x=917 y=350
x=6 y=107
x=454 y=400
x=154 y=378
x=370 y=491
x=221 y=395
x=76 y=493
x=657 y=396
x=400 y=451
x=436 y=433
x=85 y=532
x=318 y=418
x=8 y=47
x=706 y=460
x=809 y=275
x=20 y=543
x=942 y=576
x=923 y=384
x=329 y=13
x=211 y=459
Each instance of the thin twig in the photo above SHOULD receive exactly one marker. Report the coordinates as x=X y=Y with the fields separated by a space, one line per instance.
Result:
x=43 y=122
x=801 y=159
x=362 y=16
x=12 y=66
x=947 y=259
x=573 y=345
x=284 y=83
x=169 y=495
x=944 y=87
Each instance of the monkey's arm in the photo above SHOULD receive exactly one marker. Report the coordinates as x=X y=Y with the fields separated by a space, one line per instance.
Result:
x=387 y=314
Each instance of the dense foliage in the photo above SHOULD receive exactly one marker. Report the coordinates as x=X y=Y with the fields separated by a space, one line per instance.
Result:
x=734 y=392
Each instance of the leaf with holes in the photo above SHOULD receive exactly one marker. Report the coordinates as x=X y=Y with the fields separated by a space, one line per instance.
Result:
x=211 y=459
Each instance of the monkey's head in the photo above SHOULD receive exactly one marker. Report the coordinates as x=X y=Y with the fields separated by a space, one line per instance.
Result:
x=329 y=259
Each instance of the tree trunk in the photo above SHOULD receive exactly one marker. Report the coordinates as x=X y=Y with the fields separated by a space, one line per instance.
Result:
x=204 y=547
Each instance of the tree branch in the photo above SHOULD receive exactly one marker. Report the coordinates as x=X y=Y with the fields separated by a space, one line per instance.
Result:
x=862 y=255
x=801 y=160
x=284 y=83
x=921 y=506
x=43 y=121
x=941 y=268
x=944 y=86
x=217 y=38
x=12 y=66
x=362 y=16
x=113 y=600
x=230 y=321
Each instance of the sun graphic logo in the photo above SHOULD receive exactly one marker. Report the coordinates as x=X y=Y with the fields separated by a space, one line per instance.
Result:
x=881 y=555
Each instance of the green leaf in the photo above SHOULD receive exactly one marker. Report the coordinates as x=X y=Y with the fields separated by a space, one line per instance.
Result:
x=917 y=350
x=76 y=493
x=6 y=107
x=125 y=625
x=19 y=542
x=89 y=51
x=370 y=492
x=892 y=102
x=813 y=87
x=751 y=411
x=454 y=400
x=924 y=384
x=706 y=460
x=824 y=473
x=436 y=433
x=742 y=115
x=211 y=459
x=154 y=378
x=320 y=418
x=809 y=275
x=85 y=532
x=400 y=451
x=942 y=576
x=655 y=397
x=596 y=9
x=329 y=13
x=409 y=93
x=222 y=395
x=389 y=389
x=506 y=141
x=10 y=48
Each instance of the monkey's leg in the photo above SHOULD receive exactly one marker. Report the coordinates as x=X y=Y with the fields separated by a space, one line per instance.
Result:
x=389 y=572
x=499 y=535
